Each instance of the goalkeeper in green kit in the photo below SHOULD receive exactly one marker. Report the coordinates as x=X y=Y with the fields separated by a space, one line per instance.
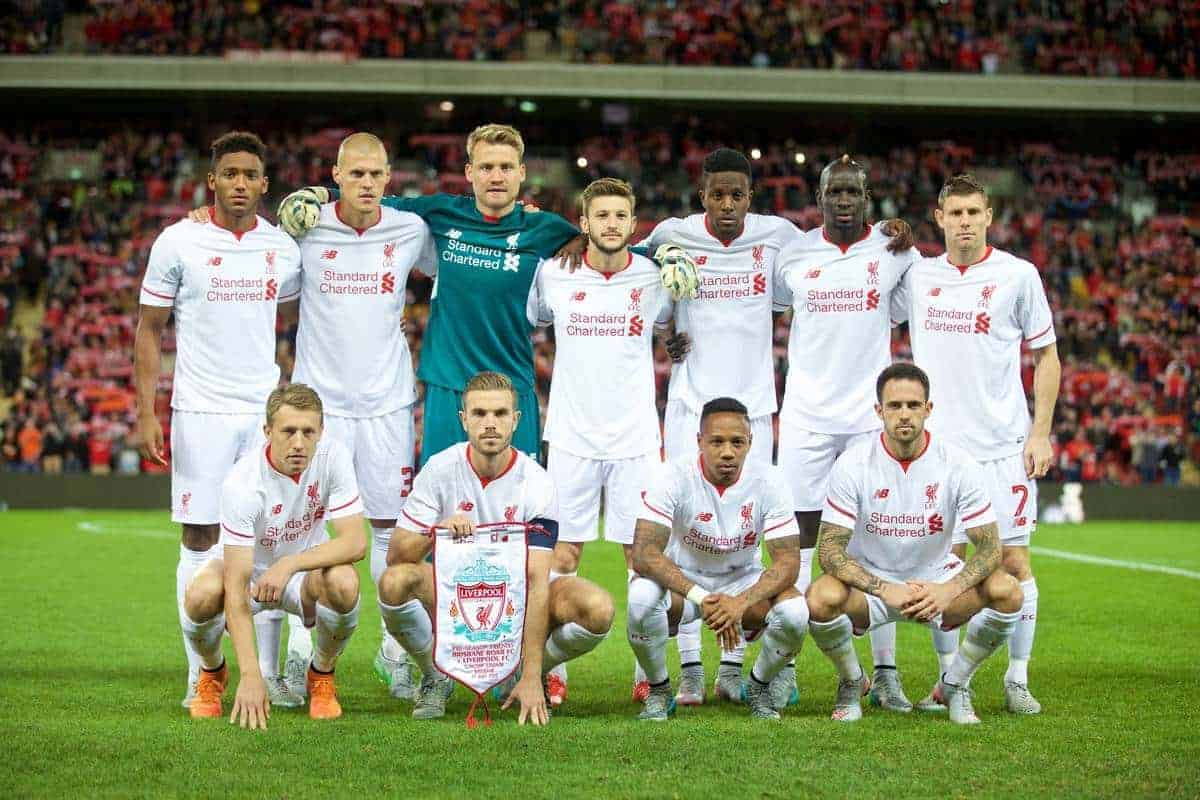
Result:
x=489 y=248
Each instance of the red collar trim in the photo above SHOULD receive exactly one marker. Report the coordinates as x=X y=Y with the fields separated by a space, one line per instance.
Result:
x=904 y=463
x=293 y=478
x=212 y=217
x=483 y=482
x=489 y=218
x=844 y=247
x=608 y=275
x=962 y=268
x=725 y=242
x=337 y=210
x=720 y=489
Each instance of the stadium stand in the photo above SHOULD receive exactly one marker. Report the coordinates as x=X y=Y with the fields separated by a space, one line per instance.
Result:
x=1116 y=243
x=1133 y=38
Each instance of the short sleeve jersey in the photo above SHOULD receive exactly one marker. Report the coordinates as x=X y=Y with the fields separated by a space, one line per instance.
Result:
x=602 y=396
x=902 y=513
x=841 y=329
x=350 y=346
x=223 y=288
x=730 y=323
x=715 y=530
x=448 y=485
x=485 y=271
x=281 y=515
x=967 y=326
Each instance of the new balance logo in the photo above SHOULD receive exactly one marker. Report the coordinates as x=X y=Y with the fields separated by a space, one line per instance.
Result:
x=272 y=290
x=329 y=255
x=578 y=297
x=872 y=300
x=387 y=284
x=812 y=275
x=881 y=494
x=701 y=260
x=454 y=233
x=749 y=539
x=215 y=261
x=277 y=509
x=935 y=523
x=760 y=283
x=704 y=516
x=466 y=505
x=636 y=326
x=935 y=291
x=983 y=323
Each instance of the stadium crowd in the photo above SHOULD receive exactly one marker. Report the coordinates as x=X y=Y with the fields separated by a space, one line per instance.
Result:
x=1120 y=38
x=1121 y=269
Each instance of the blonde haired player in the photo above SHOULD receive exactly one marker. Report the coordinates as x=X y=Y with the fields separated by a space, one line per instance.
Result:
x=276 y=555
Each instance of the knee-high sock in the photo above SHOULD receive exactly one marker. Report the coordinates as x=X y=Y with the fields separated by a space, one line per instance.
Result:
x=986 y=632
x=268 y=629
x=945 y=644
x=805 y=575
x=560 y=669
x=639 y=674
x=567 y=642
x=380 y=539
x=834 y=639
x=688 y=642
x=647 y=627
x=205 y=639
x=1020 y=646
x=334 y=630
x=413 y=629
x=190 y=562
x=787 y=623
x=883 y=645
x=299 y=639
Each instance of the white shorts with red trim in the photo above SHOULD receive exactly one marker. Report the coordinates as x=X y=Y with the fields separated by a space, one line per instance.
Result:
x=880 y=613
x=579 y=481
x=681 y=426
x=204 y=448
x=806 y=458
x=383 y=449
x=291 y=601
x=1014 y=496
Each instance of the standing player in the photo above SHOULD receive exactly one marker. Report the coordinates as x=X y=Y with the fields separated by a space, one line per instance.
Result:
x=729 y=328
x=970 y=311
x=351 y=348
x=885 y=549
x=696 y=551
x=839 y=282
x=487 y=480
x=223 y=279
x=602 y=424
x=274 y=504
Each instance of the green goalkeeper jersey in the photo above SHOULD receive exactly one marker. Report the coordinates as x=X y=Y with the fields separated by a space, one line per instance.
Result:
x=485 y=271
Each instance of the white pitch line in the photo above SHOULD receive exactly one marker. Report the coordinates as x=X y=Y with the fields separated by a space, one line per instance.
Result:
x=1113 y=562
x=87 y=526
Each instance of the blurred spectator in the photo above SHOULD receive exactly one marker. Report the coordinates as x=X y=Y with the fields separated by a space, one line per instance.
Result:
x=1172 y=458
x=53 y=448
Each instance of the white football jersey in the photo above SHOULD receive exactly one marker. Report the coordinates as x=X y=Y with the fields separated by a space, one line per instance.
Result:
x=841 y=329
x=730 y=323
x=904 y=512
x=967 y=325
x=716 y=531
x=603 y=389
x=223 y=288
x=350 y=346
x=448 y=485
x=281 y=515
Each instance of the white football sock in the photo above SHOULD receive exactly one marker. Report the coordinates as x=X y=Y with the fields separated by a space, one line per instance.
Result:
x=688 y=642
x=413 y=629
x=986 y=632
x=190 y=562
x=834 y=639
x=334 y=630
x=268 y=630
x=567 y=642
x=639 y=674
x=1020 y=646
x=381 y=538
x=299 y=638
x=945 y=644
x=883 y=645
x=647 y=627
x=804 y=577
x=205 y=640
x=787 y=623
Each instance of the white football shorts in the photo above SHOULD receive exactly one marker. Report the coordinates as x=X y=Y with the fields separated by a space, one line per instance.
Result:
x=806 y=458
x=1015 y=498
x=383 y=449
x=579 y=481
x=203 y=450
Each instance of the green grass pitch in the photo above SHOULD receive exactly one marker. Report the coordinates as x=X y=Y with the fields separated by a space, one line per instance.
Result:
x=92 y=671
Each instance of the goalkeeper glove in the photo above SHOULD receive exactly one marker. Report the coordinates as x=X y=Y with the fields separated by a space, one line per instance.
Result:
x=677 y=270
x=301 y=210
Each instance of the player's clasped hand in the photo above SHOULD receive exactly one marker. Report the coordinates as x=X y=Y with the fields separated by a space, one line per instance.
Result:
x=251 y=705
x=928 y=600
x=270 y=585
x=528 y=692
x=723 y=614
x=896 y=595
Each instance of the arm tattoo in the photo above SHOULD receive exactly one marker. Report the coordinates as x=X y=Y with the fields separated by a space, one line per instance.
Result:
x=649 y=541
x=784 y=569
x=986 y=558
x=831 y=552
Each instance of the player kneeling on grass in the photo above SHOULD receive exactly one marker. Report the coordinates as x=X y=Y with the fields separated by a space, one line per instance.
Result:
x=274 y=505
x=486 y=480
x=885 y=548
x=696 y=548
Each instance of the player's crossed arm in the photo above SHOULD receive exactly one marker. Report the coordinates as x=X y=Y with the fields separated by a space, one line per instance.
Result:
x=832 y=542
x=930 y=599
x=724 y=613
x=650 y=560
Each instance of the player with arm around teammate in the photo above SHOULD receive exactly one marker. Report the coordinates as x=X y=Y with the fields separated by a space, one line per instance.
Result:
x=486 y=480
x=885 y=548
x=274 y=504
x=696 y=552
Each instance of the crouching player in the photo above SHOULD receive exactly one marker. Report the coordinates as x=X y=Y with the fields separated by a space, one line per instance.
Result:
x=274 y=504
x=696 y=550
x=885 y=548
x=486 y=480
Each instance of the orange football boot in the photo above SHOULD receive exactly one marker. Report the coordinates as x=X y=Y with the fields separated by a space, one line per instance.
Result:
x=322 y=696
x=209 y=688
